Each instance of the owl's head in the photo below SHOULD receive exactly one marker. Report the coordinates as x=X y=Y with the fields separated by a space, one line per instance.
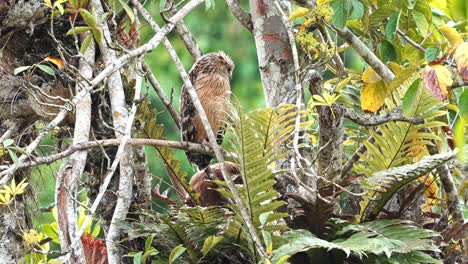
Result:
x=216 y=62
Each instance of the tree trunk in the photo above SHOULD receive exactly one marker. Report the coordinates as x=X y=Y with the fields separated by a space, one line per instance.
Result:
x=274 y=53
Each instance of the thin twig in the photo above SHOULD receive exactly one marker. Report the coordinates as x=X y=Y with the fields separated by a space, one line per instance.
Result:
x=162 y=95
x=410 y=41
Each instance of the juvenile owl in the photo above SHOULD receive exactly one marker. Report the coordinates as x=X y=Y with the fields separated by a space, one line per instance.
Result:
x=210 y=75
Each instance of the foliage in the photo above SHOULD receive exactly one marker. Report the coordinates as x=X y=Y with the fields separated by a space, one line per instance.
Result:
x=384 y=239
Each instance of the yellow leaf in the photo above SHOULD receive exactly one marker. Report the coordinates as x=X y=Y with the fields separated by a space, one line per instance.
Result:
x=56 y=61
x=451 y=35
x=373 y=96
x=370 y=76
x=452 y=107
x=269 y=249
x=461 y=59
x=438 y=80
x=307 y=23
x=300 y=12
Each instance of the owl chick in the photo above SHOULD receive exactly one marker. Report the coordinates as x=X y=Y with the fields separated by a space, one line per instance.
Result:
x=210 y=76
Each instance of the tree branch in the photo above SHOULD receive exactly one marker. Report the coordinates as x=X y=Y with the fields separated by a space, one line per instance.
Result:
x=185 y=35
x=374 y=120
x=187 y=146
x=244 y=18
x=71 y=171
x=369 y=57
x=162 y=95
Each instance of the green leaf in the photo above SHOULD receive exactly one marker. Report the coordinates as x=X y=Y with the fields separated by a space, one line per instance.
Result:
x=458 y=9
x=463 y=105
x=162 y=4
x=431 y=54
x=409 y=103
x=59 y=7
x=46 y=69
x=137 y=258
x=96 y=230
x=128 y=10
x=50 y=232
x=8 y=142
x=148 y=242
x=340 y=15
x=209 y=243
x=77 y=30
x=392 y=25
x=176 y=253
x=89 y=18
x=97 y=33
x=387 y=51
x=459 y=133
x=380 y=14
x=358 y=9
x=421 y=22
x=74 y=4
x=13 y=155
x=85 y=44
x=21 y=69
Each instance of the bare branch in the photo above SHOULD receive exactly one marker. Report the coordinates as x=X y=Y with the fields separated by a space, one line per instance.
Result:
x=373 y=120
x=71 y=171
x=410 y=41
x=244 y=18
x=162 y=95
x=459 y=84
x=184 y=34
x=369 y=57
x=199 y=148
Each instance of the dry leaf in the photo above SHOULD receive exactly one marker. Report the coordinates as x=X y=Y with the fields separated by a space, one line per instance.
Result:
x=373 y=96
x=431 y=190
x=461 y=59
x=56 y=61
x=370 y=76
x=451 y=35
x=438 y=80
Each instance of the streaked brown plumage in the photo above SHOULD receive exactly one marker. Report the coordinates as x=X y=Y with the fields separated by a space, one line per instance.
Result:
x=210 y=76
x=206 y=189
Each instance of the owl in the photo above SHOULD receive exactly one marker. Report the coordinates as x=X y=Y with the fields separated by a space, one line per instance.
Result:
x=210 y=76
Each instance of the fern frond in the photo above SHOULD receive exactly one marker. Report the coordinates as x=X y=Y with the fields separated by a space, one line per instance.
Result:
x=382 y=185
x=260 y=139
x=151 y=129
x=379 y=238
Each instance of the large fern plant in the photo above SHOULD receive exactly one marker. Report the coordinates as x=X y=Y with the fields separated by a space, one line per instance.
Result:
x=398 y=143
x=379 y=241
x=260 y=139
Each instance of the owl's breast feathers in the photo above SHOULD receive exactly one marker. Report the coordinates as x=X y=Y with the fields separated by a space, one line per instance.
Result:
x=211 y=82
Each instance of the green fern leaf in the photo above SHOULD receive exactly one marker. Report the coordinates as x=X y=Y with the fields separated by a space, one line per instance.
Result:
x=382 y=185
